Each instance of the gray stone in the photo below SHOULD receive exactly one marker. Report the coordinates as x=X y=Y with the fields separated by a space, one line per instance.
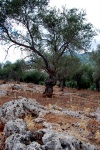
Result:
x=15 y=126
x=61 y=141
x=22 y=142
x=72 y=113
x=75 y=114
x=34 y=146
x=19 y=108
x=53 y=145
x=18 y=141
x=18 y=138
x=39 y=120
x=13 y=142
x=87 y=146
x=17 y=87
x=3 y=93
x=96 y=114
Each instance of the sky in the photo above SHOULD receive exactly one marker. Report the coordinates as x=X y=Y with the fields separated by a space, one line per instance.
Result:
x=92 y=8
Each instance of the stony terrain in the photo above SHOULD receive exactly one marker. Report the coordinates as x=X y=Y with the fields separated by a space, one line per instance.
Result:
x=70 y=120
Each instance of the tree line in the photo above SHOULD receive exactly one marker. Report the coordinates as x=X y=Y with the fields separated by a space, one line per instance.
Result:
x=20 y=72
x=71 y=72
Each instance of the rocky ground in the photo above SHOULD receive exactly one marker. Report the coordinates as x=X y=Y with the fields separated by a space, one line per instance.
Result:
x=70 y=120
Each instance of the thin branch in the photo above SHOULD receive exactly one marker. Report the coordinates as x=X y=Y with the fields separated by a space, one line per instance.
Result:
x=13 y=41
x=29 y=47
x=7 y=50
x=63 y=47
x=27 y=26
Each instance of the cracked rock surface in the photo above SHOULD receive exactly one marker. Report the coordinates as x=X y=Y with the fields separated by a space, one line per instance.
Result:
x=41 y=137
x=18 y=109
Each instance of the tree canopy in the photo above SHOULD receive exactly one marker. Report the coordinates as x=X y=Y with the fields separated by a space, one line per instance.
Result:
x=43 y=31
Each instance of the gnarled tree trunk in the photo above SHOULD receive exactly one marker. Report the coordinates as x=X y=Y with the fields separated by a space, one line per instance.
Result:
x=62 y=84
x=49 y=83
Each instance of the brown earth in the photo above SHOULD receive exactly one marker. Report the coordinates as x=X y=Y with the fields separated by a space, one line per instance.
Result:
x=88 y=128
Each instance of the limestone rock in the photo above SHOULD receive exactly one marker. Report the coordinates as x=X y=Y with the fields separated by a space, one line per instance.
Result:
x=18 y=138
x=3 y=93
x=34 y=146
x=96 y=114
x=19 y=108
x=14 y=126
x=16 y=87
x=39 y=120
x=72 y=113
x=23 y=141
x=57 y=141
x=18 y=141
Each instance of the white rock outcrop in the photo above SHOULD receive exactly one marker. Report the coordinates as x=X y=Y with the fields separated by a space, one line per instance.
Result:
x=61 y=141
x=19 y=108
x=15 y=126
x=19 y=138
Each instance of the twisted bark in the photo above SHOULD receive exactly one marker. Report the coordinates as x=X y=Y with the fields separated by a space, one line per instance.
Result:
x=49 y=83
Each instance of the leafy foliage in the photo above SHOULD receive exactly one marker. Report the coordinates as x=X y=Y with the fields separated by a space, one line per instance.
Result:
x=83 y=76
x=18 y=71
x=95 y=56
x=67 y=66
x=12 y=71
x=46 y=32
x=35 y=77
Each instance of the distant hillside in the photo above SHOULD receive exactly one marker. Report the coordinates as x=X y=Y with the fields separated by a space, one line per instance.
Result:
x=84 y=57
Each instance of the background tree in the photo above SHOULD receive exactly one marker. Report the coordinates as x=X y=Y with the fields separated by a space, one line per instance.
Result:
x=18 y=68
x=83 y=76
x=12 y=71
x=95 y=56
x=34 y=76
x=7 y=71
x=67 y=67
x=45 y=31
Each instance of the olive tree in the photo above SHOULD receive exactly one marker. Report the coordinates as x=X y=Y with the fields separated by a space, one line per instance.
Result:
x=44 y=32
x=67 y=67
x=95 y=56
x=83 y=76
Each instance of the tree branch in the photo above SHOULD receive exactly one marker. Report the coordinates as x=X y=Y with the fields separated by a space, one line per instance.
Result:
x=27 y=26
x=29 y=47
x=63 y=47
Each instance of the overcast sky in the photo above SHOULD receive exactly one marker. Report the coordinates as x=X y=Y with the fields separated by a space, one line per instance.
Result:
x=92 y=8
